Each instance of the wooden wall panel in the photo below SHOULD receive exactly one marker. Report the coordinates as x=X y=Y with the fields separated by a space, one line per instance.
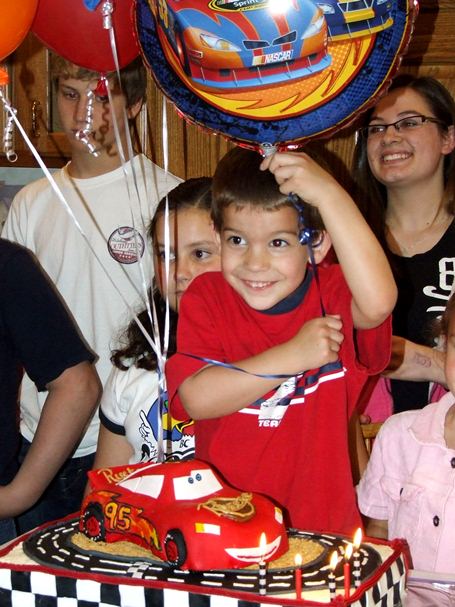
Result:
x=193 y=152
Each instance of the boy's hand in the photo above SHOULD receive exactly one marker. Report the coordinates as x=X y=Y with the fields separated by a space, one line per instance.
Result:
x=299 y=174
x=318 y=342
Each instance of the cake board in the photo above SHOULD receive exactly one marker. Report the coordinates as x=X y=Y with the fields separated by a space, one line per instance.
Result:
x=25 y=583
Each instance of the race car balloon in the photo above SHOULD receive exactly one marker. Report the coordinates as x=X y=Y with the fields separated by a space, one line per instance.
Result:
x=229 y=48
x=276 y=72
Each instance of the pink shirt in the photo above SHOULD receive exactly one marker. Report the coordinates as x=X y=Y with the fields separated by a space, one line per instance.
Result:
x=410 y=481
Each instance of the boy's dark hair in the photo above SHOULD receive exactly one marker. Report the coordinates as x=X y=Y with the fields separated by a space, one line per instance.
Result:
x=371 y=196
x=133 y=77
x=193 y=193
x=239 y=181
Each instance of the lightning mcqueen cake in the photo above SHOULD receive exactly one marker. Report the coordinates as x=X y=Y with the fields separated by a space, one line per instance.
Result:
x=184 y=514
x=176 y=535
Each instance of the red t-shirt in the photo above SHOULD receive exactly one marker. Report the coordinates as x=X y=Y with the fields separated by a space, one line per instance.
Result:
x=296 y=452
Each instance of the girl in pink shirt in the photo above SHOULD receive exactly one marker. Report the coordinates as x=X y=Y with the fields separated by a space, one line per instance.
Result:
x=408 y=489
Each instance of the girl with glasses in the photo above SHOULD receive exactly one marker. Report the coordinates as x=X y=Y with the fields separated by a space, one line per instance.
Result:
x=404 y=170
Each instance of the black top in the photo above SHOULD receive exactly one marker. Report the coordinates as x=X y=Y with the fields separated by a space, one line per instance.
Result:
x=36 y=333
x=424 y=284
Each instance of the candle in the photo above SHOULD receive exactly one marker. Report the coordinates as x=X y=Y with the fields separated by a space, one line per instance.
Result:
x=332 y=580
x=298 y=576
x=262 y=565
x=357 y=542
x=347 y=571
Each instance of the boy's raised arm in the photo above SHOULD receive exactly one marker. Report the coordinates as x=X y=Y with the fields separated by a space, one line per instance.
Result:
x=360 y=255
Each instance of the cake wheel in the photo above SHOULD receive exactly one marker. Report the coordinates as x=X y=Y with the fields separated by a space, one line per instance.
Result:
x=93 y=523
x=175 y=547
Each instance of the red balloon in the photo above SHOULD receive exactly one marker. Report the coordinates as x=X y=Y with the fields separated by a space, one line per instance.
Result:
x=15 y=21
x=76 y=33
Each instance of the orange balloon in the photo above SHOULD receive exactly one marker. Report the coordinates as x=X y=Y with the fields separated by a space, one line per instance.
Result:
x=16 y=17
x=4 y=77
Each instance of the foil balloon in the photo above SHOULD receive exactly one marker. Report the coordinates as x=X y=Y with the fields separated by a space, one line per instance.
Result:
x=273 y=71
x=75 y=30
x=15 y=21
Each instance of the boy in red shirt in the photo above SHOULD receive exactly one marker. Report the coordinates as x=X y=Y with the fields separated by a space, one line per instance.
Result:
x=273 y=417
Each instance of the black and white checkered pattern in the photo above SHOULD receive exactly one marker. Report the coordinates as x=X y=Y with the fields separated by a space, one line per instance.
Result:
x=389 y=590
x=43 y=589
x=39 y=589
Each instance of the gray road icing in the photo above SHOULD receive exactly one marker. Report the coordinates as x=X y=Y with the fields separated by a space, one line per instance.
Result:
x=52 y=547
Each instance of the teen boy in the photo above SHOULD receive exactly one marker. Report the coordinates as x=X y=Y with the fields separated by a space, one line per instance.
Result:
x=37 y=334
x=273 y=417
x=112 y=202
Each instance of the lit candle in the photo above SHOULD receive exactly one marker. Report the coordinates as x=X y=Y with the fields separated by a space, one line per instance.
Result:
x=332 y=580
x=357 y=542
x=262 y=566
x=347 y=571
x=298 y=576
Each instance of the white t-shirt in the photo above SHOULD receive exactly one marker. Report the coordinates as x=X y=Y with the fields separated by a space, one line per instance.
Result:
x=130 y=407
x=97 y=285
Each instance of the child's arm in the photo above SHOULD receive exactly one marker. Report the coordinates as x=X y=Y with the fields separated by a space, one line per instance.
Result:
x=415 y=362
x=112 y=449
x=316 y=343
x=70 y=403
x=361 y=257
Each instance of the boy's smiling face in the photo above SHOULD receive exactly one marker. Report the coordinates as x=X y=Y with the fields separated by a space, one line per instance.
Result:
x=261 y=256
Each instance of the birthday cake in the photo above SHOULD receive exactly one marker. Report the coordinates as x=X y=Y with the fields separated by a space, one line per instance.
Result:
x=175 y=535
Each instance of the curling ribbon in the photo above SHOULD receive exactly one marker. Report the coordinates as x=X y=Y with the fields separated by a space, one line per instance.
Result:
x=8 y=147
x=84 y=134
x=107 y=10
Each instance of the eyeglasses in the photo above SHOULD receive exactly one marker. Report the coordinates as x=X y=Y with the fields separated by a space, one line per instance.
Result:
x=406 y=125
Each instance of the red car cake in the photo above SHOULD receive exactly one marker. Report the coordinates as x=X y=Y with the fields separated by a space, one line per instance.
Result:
x=184 y=513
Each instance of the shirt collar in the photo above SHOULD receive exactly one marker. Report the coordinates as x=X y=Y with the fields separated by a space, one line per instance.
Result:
x=292 y=301
x=428 y=426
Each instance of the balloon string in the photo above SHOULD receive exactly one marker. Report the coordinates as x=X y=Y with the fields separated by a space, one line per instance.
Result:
x=8 y=146
x=218 y=363
x=107 y=10
x=161 y=353
x=167 y=247
x=162 y=386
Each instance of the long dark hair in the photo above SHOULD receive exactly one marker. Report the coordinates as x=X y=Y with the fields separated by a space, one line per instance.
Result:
x=193 y=193
x=371 y=195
